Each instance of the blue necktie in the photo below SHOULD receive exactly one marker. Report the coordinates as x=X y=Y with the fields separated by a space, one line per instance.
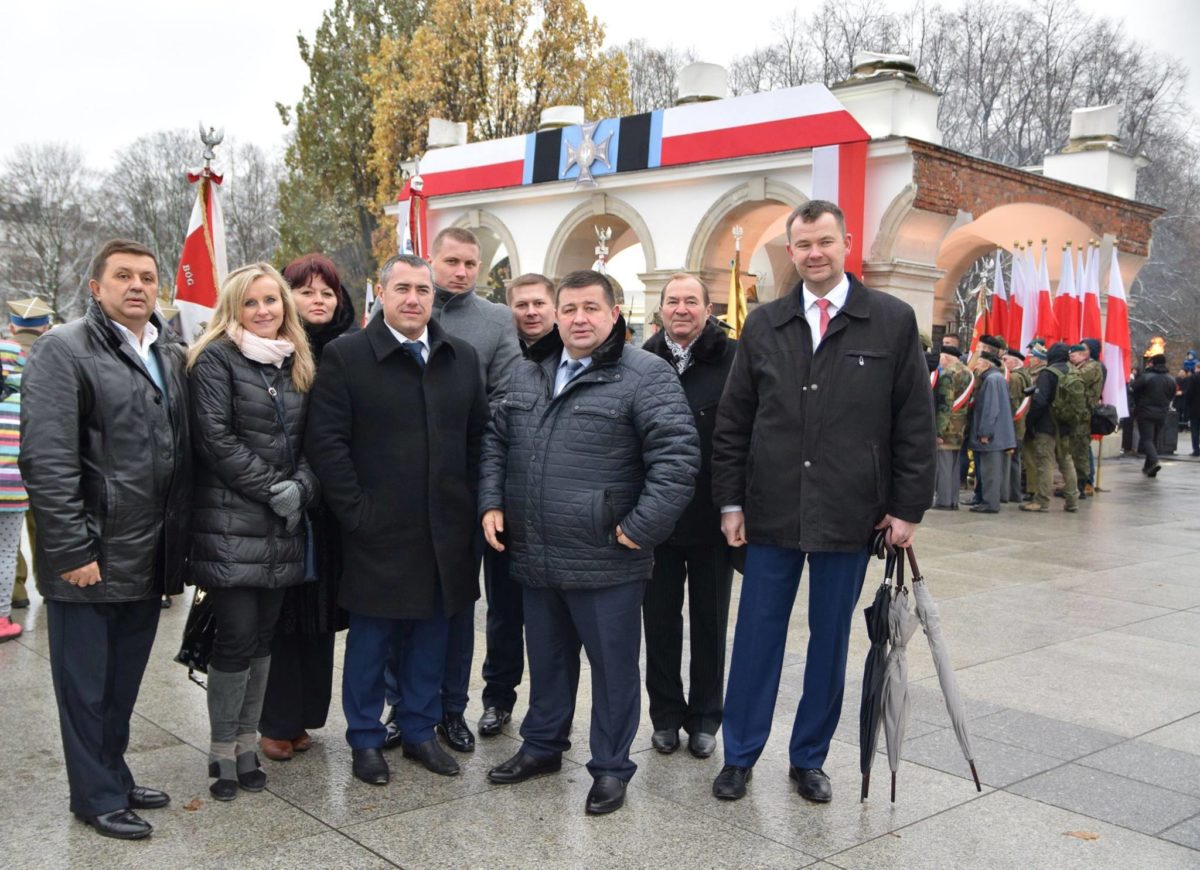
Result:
x=415 y=348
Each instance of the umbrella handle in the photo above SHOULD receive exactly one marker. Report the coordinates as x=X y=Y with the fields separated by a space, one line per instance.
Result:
x=912 y=561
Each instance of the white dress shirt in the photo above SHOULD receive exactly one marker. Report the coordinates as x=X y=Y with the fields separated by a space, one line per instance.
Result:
x=423 y=338
x=149 y=336
x=812 y=311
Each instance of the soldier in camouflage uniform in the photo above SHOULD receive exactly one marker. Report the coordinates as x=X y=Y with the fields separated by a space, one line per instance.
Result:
x=953 y=380
x=1092 y=372
x=1036 y=360
x=1019 y=381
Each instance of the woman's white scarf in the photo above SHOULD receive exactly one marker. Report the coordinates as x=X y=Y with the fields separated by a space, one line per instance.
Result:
x=269 y=351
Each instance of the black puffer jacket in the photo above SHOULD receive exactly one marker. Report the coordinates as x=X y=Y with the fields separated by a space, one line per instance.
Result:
x=107 y=462
x=616 y=446
x=703 y=382
x=237 y=540
x=1153 y=393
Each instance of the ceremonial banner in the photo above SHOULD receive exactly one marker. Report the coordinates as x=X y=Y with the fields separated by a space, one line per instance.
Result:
x=202 y=264
x=735 y=313
x=1091 y=296
x=1047 y=323
x=999 y=318
x=1029 y=290
x=1116 y=354
x=1066 y=302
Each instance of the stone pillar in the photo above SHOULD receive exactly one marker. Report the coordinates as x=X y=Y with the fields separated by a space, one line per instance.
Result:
x=912 y=282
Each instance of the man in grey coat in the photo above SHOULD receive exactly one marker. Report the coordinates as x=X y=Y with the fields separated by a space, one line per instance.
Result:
x=488 y=328
x=992 y=433
x=587 y=465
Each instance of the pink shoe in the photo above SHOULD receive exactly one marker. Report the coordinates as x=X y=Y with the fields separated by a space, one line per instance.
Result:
x=9 y=629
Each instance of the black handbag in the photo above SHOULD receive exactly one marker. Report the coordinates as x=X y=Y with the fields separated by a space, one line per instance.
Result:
x=195 y=652
x=1104 y=420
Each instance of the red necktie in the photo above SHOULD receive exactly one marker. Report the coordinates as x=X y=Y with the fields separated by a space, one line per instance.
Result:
x=823 y=304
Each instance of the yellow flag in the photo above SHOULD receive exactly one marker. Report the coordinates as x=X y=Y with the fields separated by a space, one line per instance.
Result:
x=735 y=311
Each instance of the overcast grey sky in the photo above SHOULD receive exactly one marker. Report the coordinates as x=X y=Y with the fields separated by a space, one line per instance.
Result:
x=100 y=74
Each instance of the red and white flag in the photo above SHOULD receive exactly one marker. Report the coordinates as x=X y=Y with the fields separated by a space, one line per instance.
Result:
x=1066 y=301
x=1091 y=296
x=1016 y=302
x=999 y=319
x=202 y=264
x=1029 y=297
x=1047 y=323
x=1116 y=354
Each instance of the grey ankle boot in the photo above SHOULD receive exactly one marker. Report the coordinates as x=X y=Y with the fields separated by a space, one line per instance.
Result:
x=226 y=693
x=250 y=774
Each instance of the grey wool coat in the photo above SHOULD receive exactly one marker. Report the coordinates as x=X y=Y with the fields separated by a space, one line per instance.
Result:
x=992 y=415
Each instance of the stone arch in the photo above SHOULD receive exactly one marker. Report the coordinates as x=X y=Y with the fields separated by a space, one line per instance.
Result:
x=760 y=205
x=598 y=205
x=999 y=228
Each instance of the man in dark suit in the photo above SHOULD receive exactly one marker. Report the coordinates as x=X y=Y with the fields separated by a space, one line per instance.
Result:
x=696 y=555
x=588 y=463
x=394 y=426
x=823 y=435
x=106 y=457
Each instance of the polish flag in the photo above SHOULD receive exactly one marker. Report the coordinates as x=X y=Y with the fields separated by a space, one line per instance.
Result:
x=1016 y=302
x=1066 y=301
x=1047 y=323
x=1029 y=297
x=202 y=264
x=1091 y=296
x=1116 y=354
x=999 y=319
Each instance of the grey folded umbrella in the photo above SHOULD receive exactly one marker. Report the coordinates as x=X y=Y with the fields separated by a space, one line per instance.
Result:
x=902 y=624
x=927 y=613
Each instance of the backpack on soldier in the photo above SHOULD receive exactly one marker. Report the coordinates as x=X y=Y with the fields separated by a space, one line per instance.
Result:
x=1070 y=405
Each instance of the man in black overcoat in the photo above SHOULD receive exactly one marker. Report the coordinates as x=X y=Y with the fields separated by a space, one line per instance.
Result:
x=696 y=556
x=823 y=435
x=394 y=429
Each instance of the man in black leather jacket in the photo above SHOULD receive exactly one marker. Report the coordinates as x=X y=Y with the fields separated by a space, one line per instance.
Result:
x=106 y=458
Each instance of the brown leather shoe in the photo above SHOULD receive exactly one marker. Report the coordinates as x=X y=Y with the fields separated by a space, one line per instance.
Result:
x=1032 y=507
x=276 y=750
x=303 y=743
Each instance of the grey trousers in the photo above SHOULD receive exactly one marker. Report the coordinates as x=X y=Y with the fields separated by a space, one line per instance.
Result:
x=945 y=490
x=993 y=475
x=1014 y=476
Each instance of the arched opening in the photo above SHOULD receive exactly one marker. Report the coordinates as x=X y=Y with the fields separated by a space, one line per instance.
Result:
x=760 y=207
x=630 y=252
x=498 y=259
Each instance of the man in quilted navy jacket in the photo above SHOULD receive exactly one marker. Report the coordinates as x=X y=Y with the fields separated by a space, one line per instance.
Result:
x=588 y=463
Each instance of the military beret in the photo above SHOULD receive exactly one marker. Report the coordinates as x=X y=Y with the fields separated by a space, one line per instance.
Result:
x=1077 y=348
x=1016 y=353
x=950 y=349
x=992 y=341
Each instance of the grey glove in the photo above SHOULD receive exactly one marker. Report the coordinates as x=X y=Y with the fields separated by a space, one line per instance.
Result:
x=291 y=521
x=286 y=498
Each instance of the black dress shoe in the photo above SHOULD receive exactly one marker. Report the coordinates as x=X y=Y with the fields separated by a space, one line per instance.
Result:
x=984 y=509
x=22 y=603
x=119 y=824
x=393 y=738
x=812 y=784
x=665 y=740
x=432 y=757
x=492 y=721
x=730 y=784
x=522 y=767
x=455 y=732
x=607 y=795
x=253 y=780
x=224 y=789
x=143 y=798
x=370 y=766
x=702 y=745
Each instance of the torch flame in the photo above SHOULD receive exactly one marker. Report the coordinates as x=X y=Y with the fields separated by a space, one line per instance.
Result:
x=1158 y=346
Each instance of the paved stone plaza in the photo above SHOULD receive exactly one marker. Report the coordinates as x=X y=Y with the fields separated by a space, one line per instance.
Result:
x=1077 y=644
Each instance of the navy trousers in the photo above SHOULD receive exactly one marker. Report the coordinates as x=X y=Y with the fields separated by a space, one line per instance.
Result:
x=607 y=624
x=505 y=662
x=419 y=649
x=98 y=653
x=769 y=587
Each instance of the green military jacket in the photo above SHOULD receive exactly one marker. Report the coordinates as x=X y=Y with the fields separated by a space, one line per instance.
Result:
x=1092 y=373
x=951 y=424
x=1019 y=380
